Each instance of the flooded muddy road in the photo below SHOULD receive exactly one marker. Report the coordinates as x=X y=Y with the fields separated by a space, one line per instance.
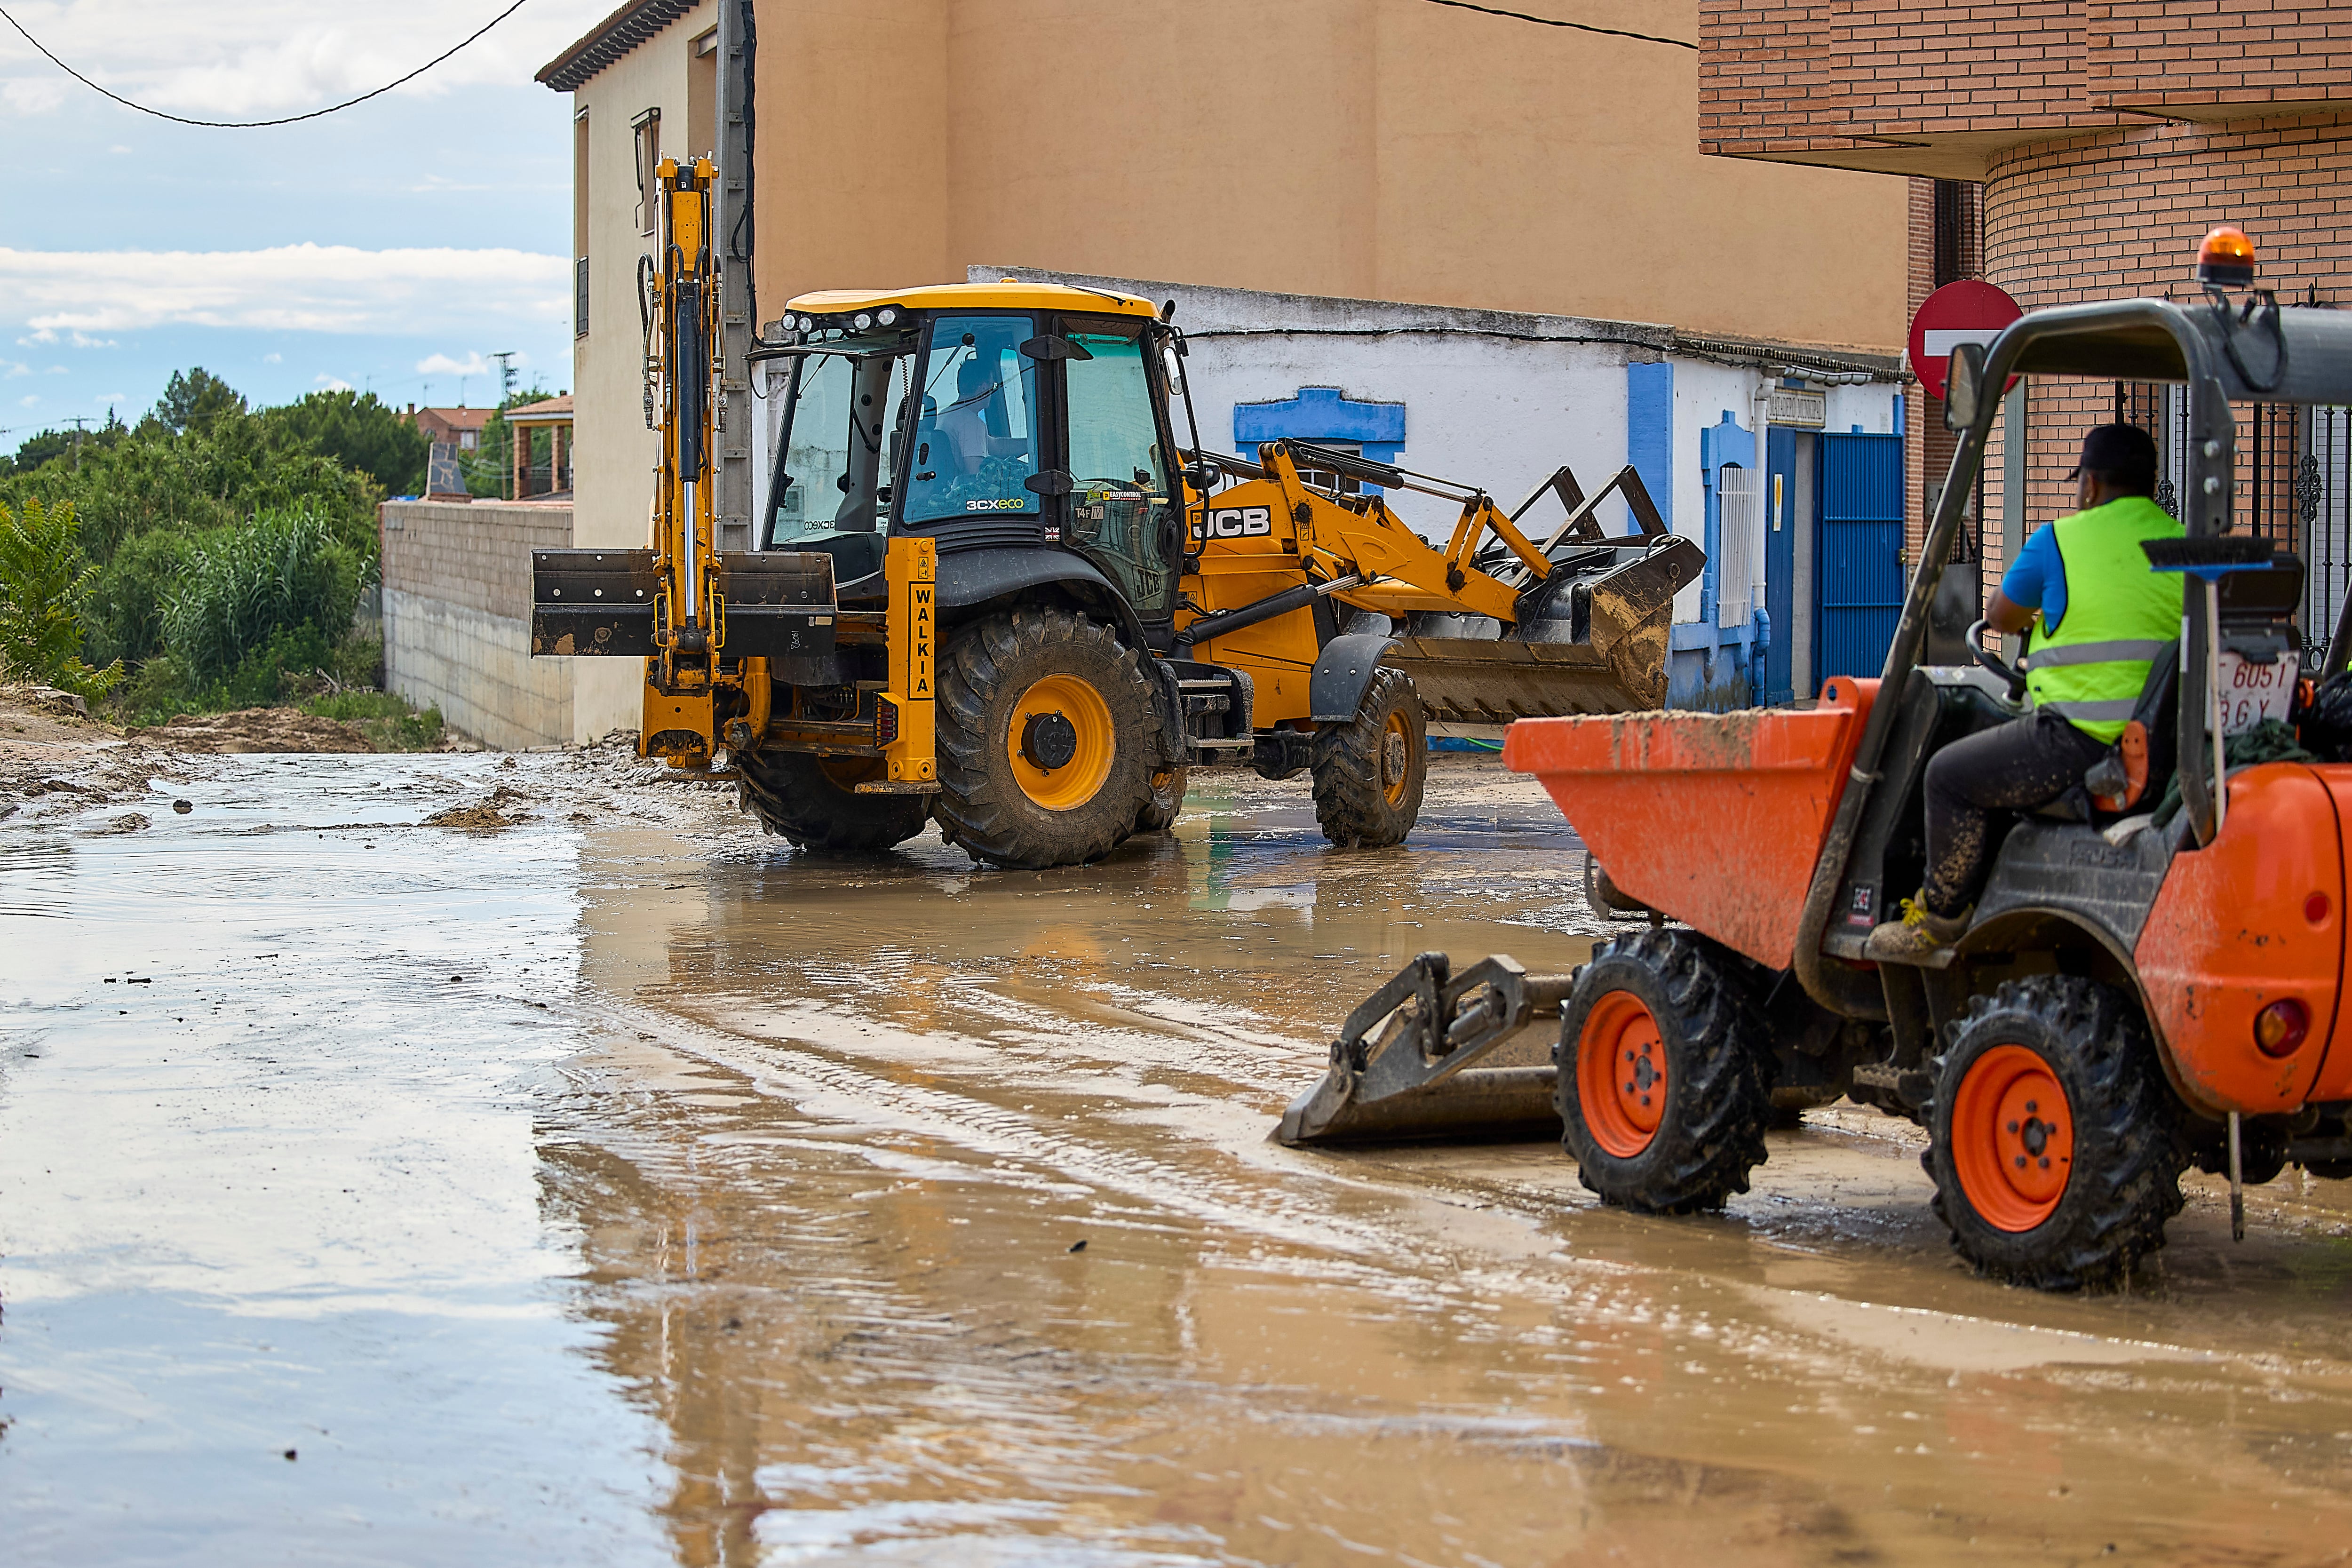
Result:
x=616 y=1186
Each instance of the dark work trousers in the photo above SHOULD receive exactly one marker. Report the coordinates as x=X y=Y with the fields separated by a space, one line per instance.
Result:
x=2015 y=766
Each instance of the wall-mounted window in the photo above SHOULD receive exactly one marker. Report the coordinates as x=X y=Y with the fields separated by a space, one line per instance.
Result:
x=465 y=438
x=702 y=97
x=1324 y=478
x=580 y=223
x=647 y=127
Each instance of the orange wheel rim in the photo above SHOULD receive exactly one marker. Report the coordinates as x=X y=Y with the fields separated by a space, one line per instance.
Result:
x=1620 y=1074
x=1094 y=743
x=2012 y=1138
x=1396 y=758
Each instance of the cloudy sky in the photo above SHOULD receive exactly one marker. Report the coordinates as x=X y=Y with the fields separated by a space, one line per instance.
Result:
x=393 y=247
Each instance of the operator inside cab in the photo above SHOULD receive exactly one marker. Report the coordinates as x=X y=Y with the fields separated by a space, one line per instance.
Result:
x=975 y=424
x=2100 y=617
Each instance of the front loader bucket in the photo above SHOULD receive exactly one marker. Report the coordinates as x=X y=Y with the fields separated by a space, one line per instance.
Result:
x=1403 y=1066
x=1593 y=640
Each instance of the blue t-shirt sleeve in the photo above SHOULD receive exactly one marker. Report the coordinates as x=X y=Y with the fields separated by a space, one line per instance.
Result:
x=2037 y=581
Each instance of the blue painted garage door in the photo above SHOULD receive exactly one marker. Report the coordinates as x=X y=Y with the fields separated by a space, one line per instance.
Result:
x=1860 y=580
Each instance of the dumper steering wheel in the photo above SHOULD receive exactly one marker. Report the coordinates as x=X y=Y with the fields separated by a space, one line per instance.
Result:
x=1994 y=662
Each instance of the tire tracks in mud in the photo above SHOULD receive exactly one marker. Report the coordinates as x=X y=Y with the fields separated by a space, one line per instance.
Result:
x=1492 y=1243
x=813 y=1068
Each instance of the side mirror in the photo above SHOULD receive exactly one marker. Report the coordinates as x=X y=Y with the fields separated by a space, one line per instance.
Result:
x=1204 y=476
x=1051 y=482
x=1964 y=385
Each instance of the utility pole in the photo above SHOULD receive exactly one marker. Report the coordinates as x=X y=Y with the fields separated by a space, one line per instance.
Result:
x=737 y=410
x=506 y=396
x=81 y=423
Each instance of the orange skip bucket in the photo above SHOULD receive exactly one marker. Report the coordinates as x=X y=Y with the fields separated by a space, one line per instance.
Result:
x=1715 y=819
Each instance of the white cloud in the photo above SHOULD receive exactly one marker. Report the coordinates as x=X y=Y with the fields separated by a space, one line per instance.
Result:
x=332 y=383
x=442 y=364
x=11 y=369
x=29 y=402
x=273 y=359
x=288 y=288
x=59 y=370
x=118 y=149
x=43 y=336
x=266 y=58
x=110 y=399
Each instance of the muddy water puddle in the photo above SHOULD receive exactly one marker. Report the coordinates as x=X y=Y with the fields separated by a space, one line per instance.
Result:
x=629 y=1190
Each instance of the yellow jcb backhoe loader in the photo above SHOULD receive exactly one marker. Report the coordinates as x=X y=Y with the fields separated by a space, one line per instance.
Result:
x=990 y=588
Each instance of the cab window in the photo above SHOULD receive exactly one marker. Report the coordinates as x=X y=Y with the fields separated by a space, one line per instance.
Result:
x=1119 y=501
x=976 y=423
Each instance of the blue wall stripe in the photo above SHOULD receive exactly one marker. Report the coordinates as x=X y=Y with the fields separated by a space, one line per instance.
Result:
x=1650 y=431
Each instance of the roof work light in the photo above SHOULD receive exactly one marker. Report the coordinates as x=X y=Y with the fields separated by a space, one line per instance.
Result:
x=2226 y=259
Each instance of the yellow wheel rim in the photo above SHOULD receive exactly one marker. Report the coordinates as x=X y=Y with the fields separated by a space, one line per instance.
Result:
x=1060 y=742
x=1396 y=758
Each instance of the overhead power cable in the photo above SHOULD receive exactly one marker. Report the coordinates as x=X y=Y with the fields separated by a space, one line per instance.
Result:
x=1573 y=26
x=256 y=124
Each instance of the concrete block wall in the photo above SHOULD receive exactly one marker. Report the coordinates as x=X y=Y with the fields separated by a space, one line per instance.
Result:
x=456 y=619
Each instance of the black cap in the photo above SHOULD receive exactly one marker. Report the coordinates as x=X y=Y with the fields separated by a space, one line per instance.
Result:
x=2125 y=450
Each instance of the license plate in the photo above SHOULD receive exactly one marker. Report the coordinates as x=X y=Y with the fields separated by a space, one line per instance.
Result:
x=2252 y=692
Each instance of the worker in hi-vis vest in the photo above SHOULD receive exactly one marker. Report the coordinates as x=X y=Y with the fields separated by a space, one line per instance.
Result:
x=2101 y=618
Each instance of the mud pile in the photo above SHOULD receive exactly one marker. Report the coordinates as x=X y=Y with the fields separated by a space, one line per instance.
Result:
x=483 y=817
x=253 y=730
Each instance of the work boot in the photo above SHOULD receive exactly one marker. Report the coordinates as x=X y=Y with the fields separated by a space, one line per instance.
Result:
x=1918 y=935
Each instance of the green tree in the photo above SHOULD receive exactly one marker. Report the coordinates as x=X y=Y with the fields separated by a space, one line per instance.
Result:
x=49 y=445
x=45 y=580
x=209 y=479
x=489 y=473
x=356 y=430
x=192 y=399
x=125 y=613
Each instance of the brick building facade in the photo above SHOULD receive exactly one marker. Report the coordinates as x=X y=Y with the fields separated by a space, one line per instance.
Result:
x=2067 y=151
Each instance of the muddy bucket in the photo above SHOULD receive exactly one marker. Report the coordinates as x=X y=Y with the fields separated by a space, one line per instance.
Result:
x=1435 y=1055
x=1593 y=640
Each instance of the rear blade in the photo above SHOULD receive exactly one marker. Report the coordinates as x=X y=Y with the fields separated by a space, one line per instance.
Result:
x=1403 y=1066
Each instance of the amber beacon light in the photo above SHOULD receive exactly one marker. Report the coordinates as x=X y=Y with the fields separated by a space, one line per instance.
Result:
x=2226 y=259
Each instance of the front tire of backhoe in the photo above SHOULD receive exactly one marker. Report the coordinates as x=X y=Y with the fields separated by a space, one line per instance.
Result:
x=1046 y=726
x=2053 y=1139
x=813 y=801
x=1368 y=771
x=1665 y=1074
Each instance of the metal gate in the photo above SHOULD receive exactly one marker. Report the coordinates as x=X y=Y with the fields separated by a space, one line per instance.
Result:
x=1860 y=572
x=2294 y=487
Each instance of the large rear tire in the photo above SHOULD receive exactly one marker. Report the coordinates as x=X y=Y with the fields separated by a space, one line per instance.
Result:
x=1046 y=726
x=1665 y=1075
x=2053 y=1139
x=1368 y=771
x=812 y=802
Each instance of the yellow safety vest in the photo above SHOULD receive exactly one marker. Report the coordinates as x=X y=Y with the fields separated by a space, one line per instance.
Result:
x=2120 y=616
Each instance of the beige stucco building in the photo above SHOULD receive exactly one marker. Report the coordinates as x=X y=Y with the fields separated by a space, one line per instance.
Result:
x=1366 y=150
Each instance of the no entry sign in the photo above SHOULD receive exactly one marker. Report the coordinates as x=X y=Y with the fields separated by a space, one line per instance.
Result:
x=1963 y=313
